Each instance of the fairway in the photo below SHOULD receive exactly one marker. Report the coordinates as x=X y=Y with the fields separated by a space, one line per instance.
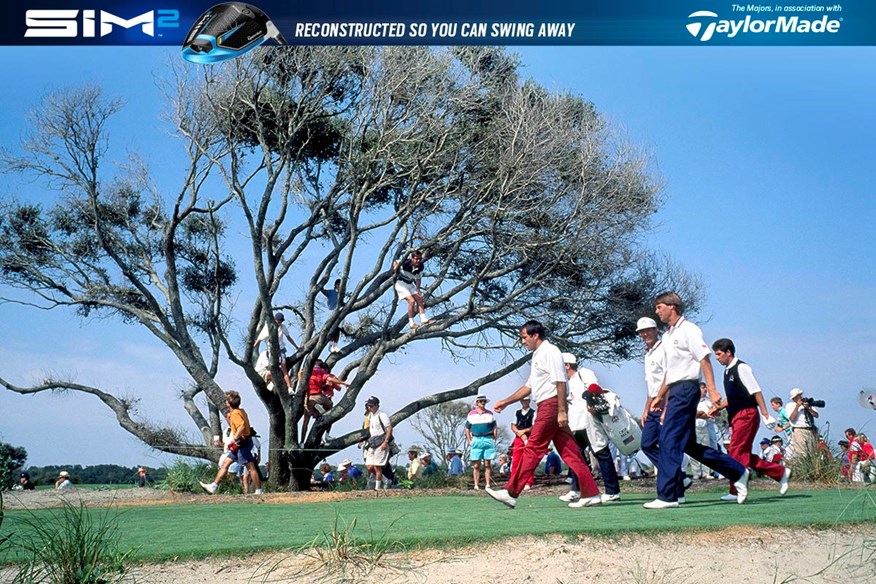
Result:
x=194 y=531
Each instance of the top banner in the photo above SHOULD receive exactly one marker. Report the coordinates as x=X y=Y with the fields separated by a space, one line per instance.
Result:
x=231 y=28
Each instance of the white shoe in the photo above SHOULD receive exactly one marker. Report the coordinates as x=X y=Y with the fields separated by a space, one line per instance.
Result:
x=327 y=438
x=783 y=484
x=425 y=321
x=742 y=487
x=568 y=480
x=729 y=497
x=477 y=488
x=259 y=492
x=503 y=497
x=681 y=500
x=606 y=498
x=570 y=497
x=526 y=487
x=587 y=502
x=627 y=478
x=658 y=504
x=334 y=348
x=209 y=488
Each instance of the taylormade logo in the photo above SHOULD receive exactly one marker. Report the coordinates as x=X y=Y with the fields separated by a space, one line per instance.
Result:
x=705 y=24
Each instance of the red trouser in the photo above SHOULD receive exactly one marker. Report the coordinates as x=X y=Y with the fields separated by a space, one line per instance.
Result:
x=743 y=429
x=517 y=456
x=544 y=430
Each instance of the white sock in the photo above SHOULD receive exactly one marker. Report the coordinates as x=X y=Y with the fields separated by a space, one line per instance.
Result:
x=412 y=323
x=423 y=317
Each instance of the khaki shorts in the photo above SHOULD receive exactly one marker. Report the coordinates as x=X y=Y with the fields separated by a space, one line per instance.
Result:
x=316 y=402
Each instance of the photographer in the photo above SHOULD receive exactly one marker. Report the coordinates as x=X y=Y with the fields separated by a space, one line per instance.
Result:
x=802 y=416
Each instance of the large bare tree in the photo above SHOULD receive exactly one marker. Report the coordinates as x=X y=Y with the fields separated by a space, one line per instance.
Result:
x=335 y=161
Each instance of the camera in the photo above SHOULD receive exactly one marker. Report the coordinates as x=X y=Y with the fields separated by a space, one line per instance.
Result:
x=812 y=402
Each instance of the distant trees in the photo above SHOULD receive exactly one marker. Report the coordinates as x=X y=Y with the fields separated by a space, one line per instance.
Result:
x=12 y=459
x=98 y=474
x=308 y=164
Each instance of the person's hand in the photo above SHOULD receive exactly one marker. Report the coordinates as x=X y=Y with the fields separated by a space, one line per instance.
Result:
x=383 y=446
x=499 y=406
x=563 y=420
x=769 y=421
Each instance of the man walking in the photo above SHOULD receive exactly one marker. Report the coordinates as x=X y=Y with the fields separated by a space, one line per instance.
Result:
x=744 y=399
x=687 y=356
x=588 y=431
x=547 y=383
x=377 y=445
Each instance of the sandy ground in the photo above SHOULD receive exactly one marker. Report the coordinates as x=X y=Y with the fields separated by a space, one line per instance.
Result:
x=736 y=555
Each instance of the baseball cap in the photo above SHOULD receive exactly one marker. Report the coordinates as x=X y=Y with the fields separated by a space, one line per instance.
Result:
x=645 y=323
x=24 y=475
x=595 y=389
x=279 y=316
x=569 y=359
x=764 y=441
x=373 y=401
x=795 y=392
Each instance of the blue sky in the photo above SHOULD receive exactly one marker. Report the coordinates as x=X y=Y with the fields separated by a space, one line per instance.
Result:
x=767 y=154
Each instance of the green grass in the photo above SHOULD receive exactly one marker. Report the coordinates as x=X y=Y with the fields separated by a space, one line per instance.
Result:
x=195 y=531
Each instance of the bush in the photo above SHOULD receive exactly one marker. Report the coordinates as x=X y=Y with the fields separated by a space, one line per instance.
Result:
x=818 y=465
x=71 y=546
x=183 y=477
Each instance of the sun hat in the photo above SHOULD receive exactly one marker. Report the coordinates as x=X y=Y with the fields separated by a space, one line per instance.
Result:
x=795 y=392
x=645 y=323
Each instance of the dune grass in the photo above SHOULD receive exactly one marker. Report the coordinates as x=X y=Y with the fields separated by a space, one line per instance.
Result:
x=196 y=531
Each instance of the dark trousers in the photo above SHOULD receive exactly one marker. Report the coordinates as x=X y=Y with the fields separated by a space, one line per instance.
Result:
x=606 y=465
x=651 y=445
x=678 y=436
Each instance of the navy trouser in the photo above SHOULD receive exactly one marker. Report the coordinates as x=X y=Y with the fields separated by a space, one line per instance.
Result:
x=651 y=445
x=678 y=436
x=606 y=466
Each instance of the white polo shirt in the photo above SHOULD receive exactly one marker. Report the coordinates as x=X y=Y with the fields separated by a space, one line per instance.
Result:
x=546 y=371
x=684 y=347
x=578 y=384
x=655 y=368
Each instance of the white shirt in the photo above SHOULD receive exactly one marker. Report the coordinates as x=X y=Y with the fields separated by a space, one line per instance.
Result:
x=801 y=421
x=655 y=368
x=282 y=334
x=746 y=376
x=374 y=427
x=578 y=384
x=546 y=371
x=684 y=347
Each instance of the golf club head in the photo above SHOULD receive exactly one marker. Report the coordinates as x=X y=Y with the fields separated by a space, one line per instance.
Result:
x=226 y=31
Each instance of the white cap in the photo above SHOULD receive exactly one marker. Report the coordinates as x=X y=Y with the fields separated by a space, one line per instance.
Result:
x=795 y=392
x=645 y=323
x=570 y=359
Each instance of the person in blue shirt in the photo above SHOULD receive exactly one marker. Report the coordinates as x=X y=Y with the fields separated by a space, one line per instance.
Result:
x=333 y=302
x=455 y=468
x=552 y=463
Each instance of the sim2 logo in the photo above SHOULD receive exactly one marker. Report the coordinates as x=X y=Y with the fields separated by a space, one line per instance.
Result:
x=93 y=23
x=705 y=24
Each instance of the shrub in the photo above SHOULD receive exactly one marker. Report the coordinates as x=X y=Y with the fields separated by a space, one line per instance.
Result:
x=183 y=477
x=72 y=545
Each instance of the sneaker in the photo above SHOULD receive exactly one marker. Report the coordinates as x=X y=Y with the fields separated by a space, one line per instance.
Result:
x=426 y=321
x=627 y=478
x=681 y=501
x=259 y=492
x=503 y=497
x=334 y=348
x=709 y=478
x=326 y=438
x=730 y=497
x=568 y=480
x=477 y=488
x=587 y=502
x=783 y=484
x=413 y=326
x=742 y=487
x=658 y=504
x=606 y=498
x=209 y=487
x=526 y=487
x=570 y=497
x=686 y=482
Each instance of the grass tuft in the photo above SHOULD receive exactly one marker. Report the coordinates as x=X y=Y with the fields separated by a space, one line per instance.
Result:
x=70 y=545
x=336 y=555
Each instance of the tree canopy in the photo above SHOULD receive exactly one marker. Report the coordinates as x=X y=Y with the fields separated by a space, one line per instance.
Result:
x=331 y=162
